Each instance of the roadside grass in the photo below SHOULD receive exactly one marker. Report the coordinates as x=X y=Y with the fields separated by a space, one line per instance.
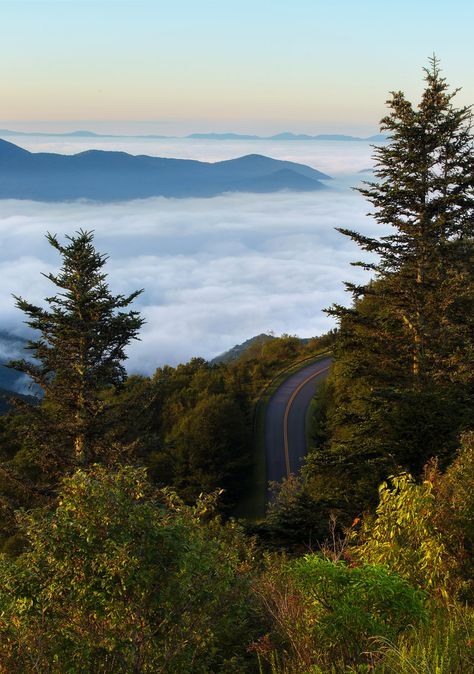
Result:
x=253 y=505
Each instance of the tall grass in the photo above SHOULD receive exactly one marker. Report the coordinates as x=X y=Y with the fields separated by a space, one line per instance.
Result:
x=446 y=646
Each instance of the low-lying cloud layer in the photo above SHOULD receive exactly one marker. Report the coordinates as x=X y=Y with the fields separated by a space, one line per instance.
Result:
x=215 y=271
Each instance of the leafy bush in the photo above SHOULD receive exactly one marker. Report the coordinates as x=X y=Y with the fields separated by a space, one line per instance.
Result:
x=454 y=514
x=404 y=537
x=326 y=613
x=123 y=579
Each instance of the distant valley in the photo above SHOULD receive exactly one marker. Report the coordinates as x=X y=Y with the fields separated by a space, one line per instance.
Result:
x=99 y=175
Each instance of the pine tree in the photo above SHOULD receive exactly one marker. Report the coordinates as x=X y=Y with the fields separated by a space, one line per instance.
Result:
x=80 y=352
x=403 y=379
x=425 y=193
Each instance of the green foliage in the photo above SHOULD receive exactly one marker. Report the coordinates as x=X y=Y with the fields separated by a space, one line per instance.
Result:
x=454 y=514
x=322 y=403
x=78 y=354
x=375 y=422
x=350 y=605
x=455 y=495
x=403 y=536
x=445 y=646
x=123 y=579
x=191 y=425
x=295 y=521
x=403 y=377
x=326 y=613
x=210 y=448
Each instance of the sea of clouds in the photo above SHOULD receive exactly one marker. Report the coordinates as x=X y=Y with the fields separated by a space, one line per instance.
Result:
x=214 y=271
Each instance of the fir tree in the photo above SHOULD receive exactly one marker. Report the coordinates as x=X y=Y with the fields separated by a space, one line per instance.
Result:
x=403 y=380
x=80 y=352
x=425 y=193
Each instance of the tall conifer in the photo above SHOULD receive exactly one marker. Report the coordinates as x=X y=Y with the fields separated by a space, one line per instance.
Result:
x=403 y=380
x=425 y=192
x=80 y=352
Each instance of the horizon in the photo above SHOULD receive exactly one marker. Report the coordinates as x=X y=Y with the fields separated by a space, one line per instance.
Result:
x=217 y=270
x=130 y=128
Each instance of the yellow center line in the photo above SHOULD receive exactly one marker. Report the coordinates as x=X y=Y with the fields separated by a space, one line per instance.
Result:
x=287 y=411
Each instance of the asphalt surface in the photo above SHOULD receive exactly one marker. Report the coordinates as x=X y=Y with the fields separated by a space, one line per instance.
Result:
x=285 y=420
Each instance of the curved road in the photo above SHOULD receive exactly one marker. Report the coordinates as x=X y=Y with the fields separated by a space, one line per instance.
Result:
x=285 y=420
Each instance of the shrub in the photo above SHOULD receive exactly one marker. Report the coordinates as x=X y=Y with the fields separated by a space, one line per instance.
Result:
x=403 y=536
x=454 y=514
x=123 y=579
x=326 y=613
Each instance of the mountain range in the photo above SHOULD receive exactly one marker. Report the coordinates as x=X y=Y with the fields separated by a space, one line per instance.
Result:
x=100 y=175
x=286 y=135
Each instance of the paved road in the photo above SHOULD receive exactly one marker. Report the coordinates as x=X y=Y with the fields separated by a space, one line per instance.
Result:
x=285 y=420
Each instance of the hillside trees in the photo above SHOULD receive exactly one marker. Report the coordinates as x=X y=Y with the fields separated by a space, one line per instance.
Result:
x=202 y=423
x=403 y=384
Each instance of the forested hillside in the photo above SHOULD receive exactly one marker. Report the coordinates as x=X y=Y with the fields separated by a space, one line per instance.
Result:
x=120 y=547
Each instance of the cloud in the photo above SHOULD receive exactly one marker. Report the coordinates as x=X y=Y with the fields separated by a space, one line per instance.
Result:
x=215 y=271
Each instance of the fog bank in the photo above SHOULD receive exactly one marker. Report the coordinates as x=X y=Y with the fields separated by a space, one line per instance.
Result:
x=215 y=271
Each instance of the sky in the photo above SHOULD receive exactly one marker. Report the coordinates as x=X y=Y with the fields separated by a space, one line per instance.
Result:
x=260 y=66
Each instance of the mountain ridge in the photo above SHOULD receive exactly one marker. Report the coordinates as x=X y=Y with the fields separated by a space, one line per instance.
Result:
x=102 y=175
x=212 y=135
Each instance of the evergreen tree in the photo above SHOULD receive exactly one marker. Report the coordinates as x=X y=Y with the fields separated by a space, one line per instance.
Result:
x=403 y=381
x=425 y=192
x=80 y=352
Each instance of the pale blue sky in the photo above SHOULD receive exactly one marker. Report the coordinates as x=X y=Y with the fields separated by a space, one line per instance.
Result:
x=178 y=66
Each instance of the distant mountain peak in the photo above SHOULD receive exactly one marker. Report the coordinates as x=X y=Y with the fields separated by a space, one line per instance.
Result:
x=214 y=136
x=7 y=148
x=239 y=350
x=84 y=134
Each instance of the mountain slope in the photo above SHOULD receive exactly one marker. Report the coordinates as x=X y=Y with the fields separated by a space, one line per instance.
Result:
x=7 y=397
x=11 y=348
x=239 y=349
x=285 y=179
